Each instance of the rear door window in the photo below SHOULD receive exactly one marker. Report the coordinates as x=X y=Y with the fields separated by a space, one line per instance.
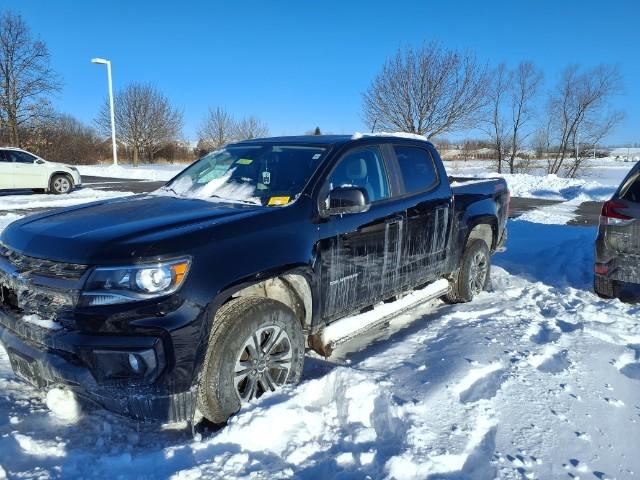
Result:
x=416 y=167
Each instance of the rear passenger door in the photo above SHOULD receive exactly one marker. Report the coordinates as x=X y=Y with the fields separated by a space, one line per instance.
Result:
x=7 y=172
x=428 y=206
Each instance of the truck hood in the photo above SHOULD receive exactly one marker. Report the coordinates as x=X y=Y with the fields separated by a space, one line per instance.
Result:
x=116 y=230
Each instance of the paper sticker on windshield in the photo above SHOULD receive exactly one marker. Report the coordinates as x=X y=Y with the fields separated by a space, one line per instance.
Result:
x=278 y=201
x=244 y=161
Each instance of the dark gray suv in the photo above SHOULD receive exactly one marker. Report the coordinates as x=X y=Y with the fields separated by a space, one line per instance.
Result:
x=617 y=263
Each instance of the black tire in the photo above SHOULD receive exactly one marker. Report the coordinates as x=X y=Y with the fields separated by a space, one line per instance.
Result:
x=466 y=284
x=605 y=288
x=234 y=325
x=60 y=184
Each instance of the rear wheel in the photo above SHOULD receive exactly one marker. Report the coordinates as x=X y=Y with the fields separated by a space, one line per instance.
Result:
x=474 y=275
x=256 y=346
x=61 y=184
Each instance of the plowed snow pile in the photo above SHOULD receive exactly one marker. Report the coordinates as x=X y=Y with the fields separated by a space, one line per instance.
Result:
x=537 y=379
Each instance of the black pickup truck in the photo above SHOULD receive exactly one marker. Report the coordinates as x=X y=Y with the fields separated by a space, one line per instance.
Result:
x=205 y=294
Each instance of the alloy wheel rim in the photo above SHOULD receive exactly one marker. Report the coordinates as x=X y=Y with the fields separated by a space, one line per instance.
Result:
x=263 y=364
x=61 y=184
x=478 y=273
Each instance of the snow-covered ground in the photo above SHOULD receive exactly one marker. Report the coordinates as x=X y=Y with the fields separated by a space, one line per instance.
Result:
x=537 y=379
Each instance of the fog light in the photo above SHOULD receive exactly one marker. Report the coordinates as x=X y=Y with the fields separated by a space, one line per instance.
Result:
x=116 y=364
x=134 y=363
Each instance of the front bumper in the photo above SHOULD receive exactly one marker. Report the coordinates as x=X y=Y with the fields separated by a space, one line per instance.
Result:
x=47 y=358
x=77 y=179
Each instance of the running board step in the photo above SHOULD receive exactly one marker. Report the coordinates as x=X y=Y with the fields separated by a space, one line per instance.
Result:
x=345 y=329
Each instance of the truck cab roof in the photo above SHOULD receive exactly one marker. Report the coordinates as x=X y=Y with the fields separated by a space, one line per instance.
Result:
x=334 y=140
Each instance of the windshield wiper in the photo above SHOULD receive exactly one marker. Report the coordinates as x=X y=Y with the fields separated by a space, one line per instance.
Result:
x=233 y=200
x=171 y=189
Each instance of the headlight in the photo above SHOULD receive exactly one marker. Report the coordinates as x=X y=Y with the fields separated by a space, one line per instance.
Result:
x=110 y=285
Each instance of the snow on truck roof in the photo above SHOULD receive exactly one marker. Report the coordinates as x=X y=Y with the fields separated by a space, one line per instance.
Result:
x=335 y=139
x=411 y=136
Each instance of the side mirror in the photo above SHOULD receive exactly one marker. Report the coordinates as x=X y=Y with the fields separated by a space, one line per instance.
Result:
x=347 y=200
x=38 y=161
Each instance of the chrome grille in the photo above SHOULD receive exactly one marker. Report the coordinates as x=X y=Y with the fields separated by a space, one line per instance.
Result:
x=31 y=285
x=36 y=266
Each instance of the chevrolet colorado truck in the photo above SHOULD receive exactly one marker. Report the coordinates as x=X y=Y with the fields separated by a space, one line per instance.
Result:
x=206 y=293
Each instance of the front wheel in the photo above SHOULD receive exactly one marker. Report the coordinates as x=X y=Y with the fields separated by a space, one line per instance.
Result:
x=256 y=346
x=474 y=275
x=61 y=184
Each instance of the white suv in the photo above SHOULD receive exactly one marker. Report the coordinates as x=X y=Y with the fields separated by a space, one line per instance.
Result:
x=21 y=169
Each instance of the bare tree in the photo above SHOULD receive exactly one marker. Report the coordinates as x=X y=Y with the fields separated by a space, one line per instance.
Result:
x=62 y=138
x=581 y=109
x=542 y=139
x=587 y=135
x=428 y=91
x=250 y=127
x=145 y=120
x=526 y=82
x=496 y=123
x=26 y=79
x=217 y=129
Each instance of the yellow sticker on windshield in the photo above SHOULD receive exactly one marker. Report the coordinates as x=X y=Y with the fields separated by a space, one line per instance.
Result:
x=244 y=161
x=278 y=201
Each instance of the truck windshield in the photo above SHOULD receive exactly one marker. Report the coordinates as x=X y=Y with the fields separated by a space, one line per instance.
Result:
x=261 y=174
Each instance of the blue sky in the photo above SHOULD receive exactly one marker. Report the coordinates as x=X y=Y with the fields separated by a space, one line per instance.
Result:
x=298 y=64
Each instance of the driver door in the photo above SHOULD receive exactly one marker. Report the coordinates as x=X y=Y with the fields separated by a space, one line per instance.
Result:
x=360 y=252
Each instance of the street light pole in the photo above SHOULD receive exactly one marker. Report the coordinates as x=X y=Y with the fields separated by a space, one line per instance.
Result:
x=102 y=61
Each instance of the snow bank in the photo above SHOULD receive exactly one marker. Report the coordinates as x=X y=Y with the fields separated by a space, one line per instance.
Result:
x=557 y=188
x=142 y=172
x=552 y=187
x=596 y=182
